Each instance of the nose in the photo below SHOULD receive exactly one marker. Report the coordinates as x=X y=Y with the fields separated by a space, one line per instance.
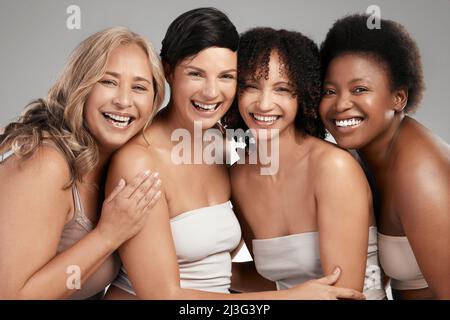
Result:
x=123 y=97
x=210 y=90
x=265 y=102
x=343 y=103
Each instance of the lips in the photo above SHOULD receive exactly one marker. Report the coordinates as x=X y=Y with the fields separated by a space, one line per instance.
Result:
x=347 y=122
x=118 y=120
x=264 y=119
x=206 y=107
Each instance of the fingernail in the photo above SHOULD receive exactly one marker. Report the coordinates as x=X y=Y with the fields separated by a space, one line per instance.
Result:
x=336 y=270
x=121 y=182
x=147 y=172
x=155 y=175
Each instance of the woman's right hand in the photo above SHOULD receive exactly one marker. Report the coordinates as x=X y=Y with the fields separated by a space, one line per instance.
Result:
x=323 y=289
x=125 y=210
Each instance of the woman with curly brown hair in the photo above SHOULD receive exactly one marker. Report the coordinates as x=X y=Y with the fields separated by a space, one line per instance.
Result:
x=57 y=233
x=372 y=84
x=315 y=213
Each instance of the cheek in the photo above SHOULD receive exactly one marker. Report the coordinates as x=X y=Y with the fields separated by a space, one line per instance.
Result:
x=244 y=100
x=229 y=91
x=292 y=107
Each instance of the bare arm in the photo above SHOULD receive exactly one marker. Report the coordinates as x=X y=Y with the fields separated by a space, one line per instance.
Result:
x=244 y=276
x=423 y=205
x=33 y=210
x=150 y=258
x=343 y=211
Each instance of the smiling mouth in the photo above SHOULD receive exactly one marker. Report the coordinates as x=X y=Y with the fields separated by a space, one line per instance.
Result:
x=264 y=119
x=346 y=123
x=118 y=121
x=204 y=107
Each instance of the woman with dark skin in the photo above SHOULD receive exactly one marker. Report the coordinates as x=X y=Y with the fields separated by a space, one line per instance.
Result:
x=373 y=81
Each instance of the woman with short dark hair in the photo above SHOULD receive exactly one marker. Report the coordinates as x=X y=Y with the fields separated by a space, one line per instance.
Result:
x=373 y=82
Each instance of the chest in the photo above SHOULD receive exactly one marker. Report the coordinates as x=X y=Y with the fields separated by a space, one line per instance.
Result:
x=190 y=186
x=277 y=208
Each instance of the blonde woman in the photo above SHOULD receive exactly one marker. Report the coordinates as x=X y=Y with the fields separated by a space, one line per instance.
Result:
x=57 y=233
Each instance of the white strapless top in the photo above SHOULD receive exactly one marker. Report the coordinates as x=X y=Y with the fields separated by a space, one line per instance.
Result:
x=203 y=241
x=399 y=263
x=294 y=259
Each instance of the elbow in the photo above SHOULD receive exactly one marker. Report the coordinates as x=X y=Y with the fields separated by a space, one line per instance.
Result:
x=167 y=293
x=13 y=294
x=443 y=294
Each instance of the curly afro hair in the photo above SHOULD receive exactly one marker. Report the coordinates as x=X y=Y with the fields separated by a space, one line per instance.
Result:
x=390 y=45
x=301 y=64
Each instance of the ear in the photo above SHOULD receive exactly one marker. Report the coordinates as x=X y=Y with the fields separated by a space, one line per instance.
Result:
x=400 y=99
x=167 y=73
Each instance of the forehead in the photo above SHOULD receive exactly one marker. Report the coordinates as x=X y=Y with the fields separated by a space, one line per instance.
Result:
x=129 y=57
x=212 y=59
x=357 y=65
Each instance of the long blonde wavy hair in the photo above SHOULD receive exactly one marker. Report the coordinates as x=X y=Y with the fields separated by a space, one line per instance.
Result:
x=59 y=116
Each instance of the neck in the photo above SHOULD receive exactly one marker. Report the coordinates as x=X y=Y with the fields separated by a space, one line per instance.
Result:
x=96 y=176
x=172 y=120
x=377 y=153
x=280 y=151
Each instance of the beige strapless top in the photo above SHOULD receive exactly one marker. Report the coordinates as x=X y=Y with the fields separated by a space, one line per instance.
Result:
x=73 y=231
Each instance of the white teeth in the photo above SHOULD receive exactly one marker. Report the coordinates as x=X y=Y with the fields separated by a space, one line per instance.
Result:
x=347 y=122
x=206 y=106
x=118 y=118
x=265 y=118
x=119 y=124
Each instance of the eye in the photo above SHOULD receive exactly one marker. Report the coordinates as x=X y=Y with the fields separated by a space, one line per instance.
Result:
x=195 y=74
x=328 y=92
x=140 y=88
x=249 y=86
x=228 y=76
x=108 y=82
x=283 y=90
x=359 y=90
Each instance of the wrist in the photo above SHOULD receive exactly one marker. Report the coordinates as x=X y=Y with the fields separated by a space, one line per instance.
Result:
x=109 y=242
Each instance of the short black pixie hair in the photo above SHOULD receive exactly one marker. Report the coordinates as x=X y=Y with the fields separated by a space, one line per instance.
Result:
x=390 y=45
x=194 y=31
x=300 y=58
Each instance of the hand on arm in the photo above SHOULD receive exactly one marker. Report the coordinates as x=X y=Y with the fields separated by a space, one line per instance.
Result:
x=31 y=226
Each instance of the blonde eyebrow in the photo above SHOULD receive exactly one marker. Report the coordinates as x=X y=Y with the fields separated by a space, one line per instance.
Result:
x=137 y=78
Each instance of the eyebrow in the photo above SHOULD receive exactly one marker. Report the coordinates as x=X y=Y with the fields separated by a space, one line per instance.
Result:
x=201 y=70
x=351 y=81
x=282 y=82
x=137 y=78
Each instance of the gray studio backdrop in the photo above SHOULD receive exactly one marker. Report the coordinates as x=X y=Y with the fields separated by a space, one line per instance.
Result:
x=35 y=41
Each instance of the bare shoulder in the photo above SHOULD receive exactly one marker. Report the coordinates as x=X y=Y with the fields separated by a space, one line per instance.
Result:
x=328 y=160
x=421 y=170
x=420 y=149
x=46 y=164
x=132 y=155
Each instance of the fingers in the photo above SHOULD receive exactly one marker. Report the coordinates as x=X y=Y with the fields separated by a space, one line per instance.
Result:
x=146 y=193
x=135 y=183
x=331 y=278
x=152 y=203
x=116 y=190
x=344 y=293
